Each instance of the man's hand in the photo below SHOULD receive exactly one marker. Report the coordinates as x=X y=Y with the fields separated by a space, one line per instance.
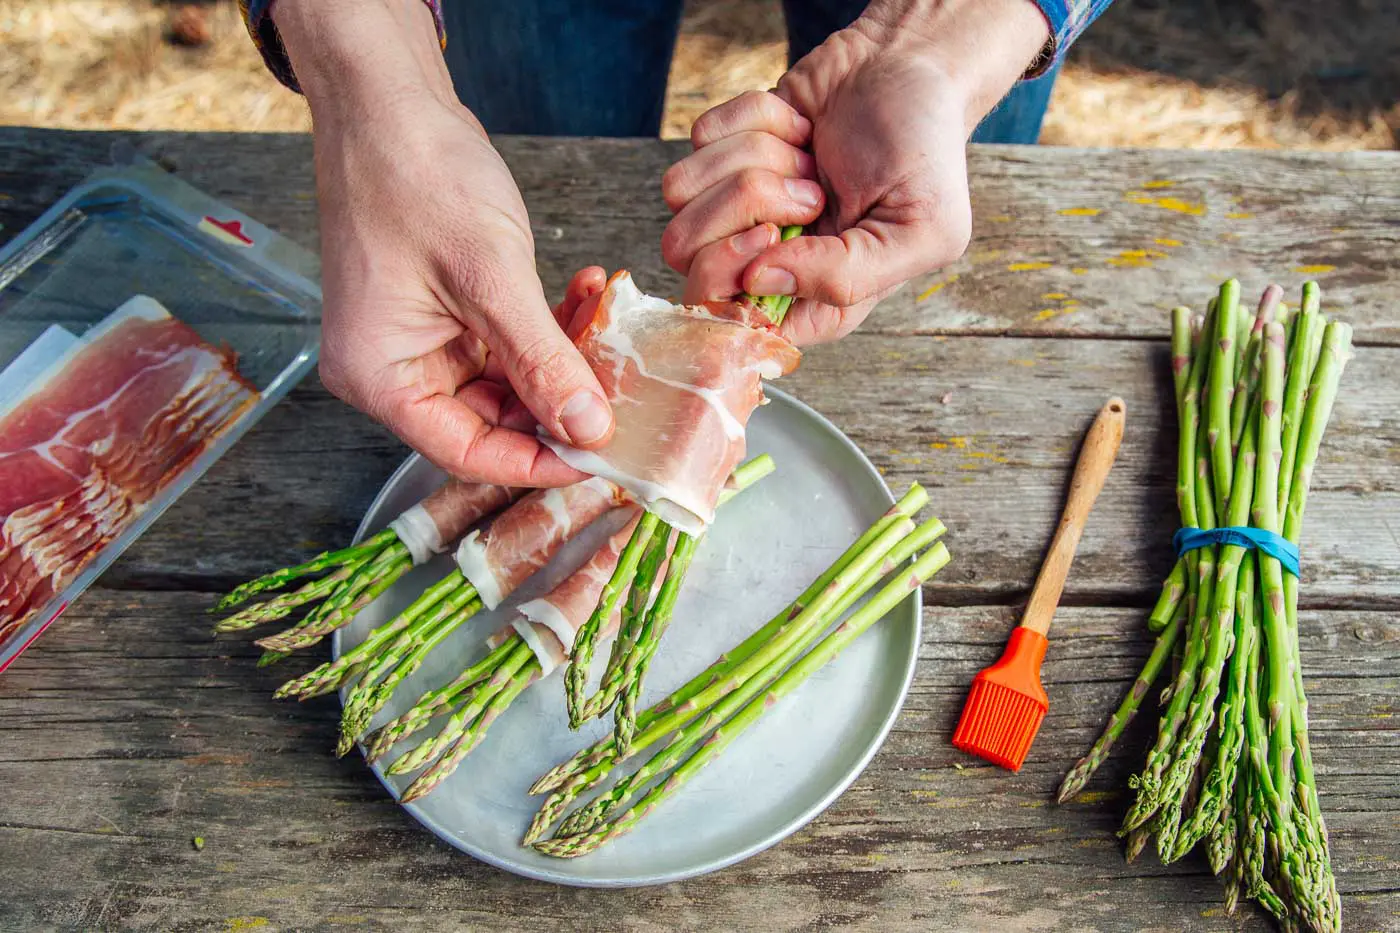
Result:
x=863 y=142
x=435 y=321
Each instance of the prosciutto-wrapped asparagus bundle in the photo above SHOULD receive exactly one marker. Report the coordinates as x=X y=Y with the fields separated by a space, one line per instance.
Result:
x=359 y=574
x=683 y=382
x=527 y=649
x=519 y=541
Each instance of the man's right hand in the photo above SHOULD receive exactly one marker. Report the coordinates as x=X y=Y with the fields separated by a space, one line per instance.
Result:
x=434 y=320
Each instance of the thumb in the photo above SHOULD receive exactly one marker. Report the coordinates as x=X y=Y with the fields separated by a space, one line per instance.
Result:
x=860 y=264
x=546 y=370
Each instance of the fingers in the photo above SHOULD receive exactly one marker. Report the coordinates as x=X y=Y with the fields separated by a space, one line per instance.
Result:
x=586 y=283
x=861 y=263
x=739 y=202
x=751 y=149
x=446 y=431
x=549 y=375
x=717 y=272
x=811 y=322
x=754 y=110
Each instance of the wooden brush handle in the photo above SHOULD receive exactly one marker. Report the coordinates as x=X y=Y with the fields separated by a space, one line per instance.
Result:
x=1095 y=460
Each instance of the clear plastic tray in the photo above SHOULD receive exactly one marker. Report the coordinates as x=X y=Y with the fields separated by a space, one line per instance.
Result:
x=133 y=229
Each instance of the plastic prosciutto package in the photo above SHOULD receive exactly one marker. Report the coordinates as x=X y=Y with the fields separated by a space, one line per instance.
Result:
x=143 y=328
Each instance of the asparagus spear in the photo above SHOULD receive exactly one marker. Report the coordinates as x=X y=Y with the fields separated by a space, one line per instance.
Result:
x=796 y=632
x=636 y=661
x=910 y=503
x=1083 y=769
x=323 y=561
x=880 y=605
x=436 y=701
x=576 y=674
x=684 y=740
x=279 y=607
x=344 y=604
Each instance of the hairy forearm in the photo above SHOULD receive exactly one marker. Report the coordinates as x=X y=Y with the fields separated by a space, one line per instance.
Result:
x=352 y=56
x=985 y=45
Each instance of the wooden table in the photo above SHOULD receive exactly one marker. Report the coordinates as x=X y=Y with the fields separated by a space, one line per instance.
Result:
x=127 y=730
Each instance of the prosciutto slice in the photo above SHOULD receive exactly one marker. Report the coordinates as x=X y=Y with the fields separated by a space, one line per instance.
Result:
x=549 y=623
x=433 y=525
x=524 y=537
x=97 y=435
x=683 y=382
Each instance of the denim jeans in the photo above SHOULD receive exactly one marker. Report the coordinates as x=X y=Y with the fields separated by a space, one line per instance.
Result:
x=598 y=67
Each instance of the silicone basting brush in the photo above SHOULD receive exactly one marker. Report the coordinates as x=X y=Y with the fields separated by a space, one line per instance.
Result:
x=1007 y=704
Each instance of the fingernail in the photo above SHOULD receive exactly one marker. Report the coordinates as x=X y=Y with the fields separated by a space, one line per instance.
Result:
x=806 y=193
x=774 y=281
x=585 y=419
x=752 y=242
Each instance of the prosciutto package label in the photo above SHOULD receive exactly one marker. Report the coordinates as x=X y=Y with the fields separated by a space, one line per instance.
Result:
x=92 y=439
x=526 y=536
x=683 y=382
x=548 y=623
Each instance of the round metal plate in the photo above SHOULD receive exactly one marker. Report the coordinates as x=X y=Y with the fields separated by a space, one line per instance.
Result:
x=765 y=547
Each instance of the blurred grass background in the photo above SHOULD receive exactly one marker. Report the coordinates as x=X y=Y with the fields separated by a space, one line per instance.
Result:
x=1213 y=74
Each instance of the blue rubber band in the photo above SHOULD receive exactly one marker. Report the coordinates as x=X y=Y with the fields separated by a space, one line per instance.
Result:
x=1275 y=545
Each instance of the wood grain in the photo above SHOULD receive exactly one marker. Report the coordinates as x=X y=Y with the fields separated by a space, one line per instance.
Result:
x=1066 y=242
x=130 y=731
x=127 y=730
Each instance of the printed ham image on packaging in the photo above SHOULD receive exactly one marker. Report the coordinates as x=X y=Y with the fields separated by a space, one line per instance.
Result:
x=139 y=340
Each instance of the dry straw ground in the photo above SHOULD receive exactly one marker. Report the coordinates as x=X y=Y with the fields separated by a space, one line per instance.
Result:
x=1175 y=73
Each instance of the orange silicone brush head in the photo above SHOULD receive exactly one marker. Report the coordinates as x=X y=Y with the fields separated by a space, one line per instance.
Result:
x=1007 y=704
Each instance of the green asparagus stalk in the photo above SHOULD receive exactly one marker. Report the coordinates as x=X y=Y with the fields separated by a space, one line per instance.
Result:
x=1083 y=769
x=369 y=694
x=323 y=561
x=435 y=702
x=332 y=674
x=775 y=307
x=683 y=741
x=342 y=607
x=912 y=501
x=279 y=607
x=1278 y=644
x=518 y=658
x=441 y=769
x=1221 y=388
x=637 y=660
x=880 y=605
x=576 y=674
x=795 y=632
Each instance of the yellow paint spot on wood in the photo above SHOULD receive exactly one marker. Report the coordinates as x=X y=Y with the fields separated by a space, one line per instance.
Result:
x=1079 y=270
x=938 y=445
x=1167 y=204
x=911 y=461
x=1163 y=241
x=1000 y=459
x=1314 y=270
x=980 y=454
x=1154 y=185
x=968 y=466
x=1046 y=314
x=1096 y=796
x=1023 y=362
x=245 y=923
x=1238 y=215
x=1028 y=266
x=959 y=442
x=893 y=355
x=1079 y=211
x=920 y=794
x=1054 y=296
x=1000 y=219
x=984 y=255
x=936 y=287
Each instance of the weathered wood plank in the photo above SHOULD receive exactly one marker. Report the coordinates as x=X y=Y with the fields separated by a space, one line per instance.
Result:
x=128 y=731
x=1118 y=235
x=997 y=456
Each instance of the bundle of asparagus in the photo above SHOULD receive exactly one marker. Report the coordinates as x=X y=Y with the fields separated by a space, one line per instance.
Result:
x=1231 y=764
x=706 y=714
x=517 y=656
x=359 y=574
